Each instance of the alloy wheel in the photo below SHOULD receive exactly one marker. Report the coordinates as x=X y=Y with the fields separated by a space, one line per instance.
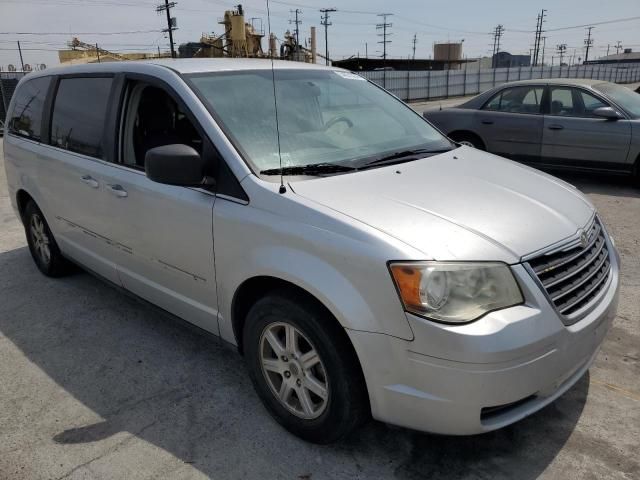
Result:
x=294 y=370
x=40 y=239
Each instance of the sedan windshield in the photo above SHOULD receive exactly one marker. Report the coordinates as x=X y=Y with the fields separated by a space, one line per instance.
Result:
x=623 y=96
x=324 y=117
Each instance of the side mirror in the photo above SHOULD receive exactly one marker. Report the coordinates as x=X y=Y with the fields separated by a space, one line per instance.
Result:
x=607 y=112
x=175 y=164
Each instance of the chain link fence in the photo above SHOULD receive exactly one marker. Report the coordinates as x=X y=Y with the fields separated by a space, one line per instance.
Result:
x=8 y=83
x=413 y=86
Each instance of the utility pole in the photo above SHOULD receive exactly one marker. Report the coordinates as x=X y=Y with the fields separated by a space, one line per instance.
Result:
x=297 y=22
x=608 y=47
x=98 y=52
x=618 y=47
x=171 y=22
x=588 y=42
x=384 y=26
x=544 y=46
x=366 y=50
x=414 y=41
x=539 y=31
x=324 y=20
x=497 y=34
x=561 y=49
x=20 y=52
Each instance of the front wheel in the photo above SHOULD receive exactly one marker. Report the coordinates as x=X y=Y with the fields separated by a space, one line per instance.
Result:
x=304 y=368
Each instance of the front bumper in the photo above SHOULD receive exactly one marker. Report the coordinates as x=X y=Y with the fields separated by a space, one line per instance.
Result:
x=474 y=378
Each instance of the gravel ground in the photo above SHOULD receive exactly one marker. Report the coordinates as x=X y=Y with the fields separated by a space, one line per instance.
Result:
x=96 y=385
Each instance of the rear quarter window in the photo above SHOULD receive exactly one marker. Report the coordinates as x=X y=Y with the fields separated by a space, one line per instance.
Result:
x=26 y=117
x=79 y=113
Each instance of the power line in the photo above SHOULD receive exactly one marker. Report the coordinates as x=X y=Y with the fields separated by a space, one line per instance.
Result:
x=618 y=47
x=561 y=49
x=539 y=31
x=297 y=23
x=384 y=26
x=589 y=43
x=171 y=22
x=414 y=41
x=324 y=21
x=497 y=34
x=80 y=33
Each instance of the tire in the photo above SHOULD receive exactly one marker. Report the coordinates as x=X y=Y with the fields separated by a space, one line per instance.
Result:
x=469 y=139
x=345 y=405
x=42 y=244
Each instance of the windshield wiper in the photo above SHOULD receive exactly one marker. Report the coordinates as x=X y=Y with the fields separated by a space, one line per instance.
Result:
x=404 y=156
x=311 y=169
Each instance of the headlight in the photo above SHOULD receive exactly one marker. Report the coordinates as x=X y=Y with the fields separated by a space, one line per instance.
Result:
x=455 y=292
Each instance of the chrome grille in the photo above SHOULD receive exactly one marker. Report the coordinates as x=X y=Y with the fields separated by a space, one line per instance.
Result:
x=574 y=275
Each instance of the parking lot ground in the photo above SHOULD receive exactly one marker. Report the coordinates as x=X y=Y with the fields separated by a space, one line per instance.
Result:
x=96 y=385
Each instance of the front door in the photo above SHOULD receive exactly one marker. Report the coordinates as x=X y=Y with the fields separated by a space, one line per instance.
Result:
x=573 y=136
x=167 y=231
x=510 y=123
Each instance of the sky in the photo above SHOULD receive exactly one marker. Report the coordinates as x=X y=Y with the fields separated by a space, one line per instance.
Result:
x=110 y=23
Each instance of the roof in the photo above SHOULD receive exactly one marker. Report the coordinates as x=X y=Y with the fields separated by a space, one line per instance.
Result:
x=586 y=82
x=620 y=57
x=185 y=65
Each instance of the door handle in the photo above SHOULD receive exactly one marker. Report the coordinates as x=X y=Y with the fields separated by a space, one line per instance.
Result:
x=555 y=127
x=117 y=190
x=89 y=180
x=487 y=122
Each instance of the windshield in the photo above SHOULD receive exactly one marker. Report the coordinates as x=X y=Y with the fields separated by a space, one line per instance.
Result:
x=623 y=96
x=324 y=117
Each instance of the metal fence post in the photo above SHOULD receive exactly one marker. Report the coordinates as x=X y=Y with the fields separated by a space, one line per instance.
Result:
x=519 y=72
x=464 y=84
x=447 y=83
x=408 y=87
x=479 y=74
x=428 y=84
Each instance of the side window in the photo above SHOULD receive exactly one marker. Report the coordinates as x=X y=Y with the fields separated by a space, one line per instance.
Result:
x=26 y=118
x=517 y=100
x=590 y=103
x=494 y=103
x=79 y=111
x=152 y=119
x=562 y=102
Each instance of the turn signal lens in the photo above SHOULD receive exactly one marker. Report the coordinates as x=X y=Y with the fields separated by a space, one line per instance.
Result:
x=455 y=292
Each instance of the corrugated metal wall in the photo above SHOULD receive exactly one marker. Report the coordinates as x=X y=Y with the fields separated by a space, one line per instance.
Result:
x=427 y=84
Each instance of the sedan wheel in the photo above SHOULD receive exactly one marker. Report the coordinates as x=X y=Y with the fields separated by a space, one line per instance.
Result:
x=467 y=143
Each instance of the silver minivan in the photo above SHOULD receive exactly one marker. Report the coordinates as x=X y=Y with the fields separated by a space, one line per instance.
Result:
x=362 y=263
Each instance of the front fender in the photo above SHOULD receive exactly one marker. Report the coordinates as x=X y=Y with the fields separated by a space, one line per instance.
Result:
x=349 y=276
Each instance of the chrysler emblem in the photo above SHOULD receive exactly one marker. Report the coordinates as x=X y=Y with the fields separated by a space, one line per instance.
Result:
x=584 y=240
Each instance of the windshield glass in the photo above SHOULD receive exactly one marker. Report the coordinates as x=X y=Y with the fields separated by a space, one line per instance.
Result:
x=324 y=116
x=623 y=96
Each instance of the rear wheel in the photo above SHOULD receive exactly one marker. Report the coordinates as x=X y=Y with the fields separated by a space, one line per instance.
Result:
x=303 y=368
x=42 y=245
x=468 y=139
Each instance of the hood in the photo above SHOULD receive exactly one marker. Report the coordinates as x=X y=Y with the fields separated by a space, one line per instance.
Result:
x=461 y=205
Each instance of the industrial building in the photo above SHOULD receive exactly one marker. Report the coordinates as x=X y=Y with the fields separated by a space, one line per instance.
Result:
x=627 y=56
x=505 y=60
x=445 y=56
